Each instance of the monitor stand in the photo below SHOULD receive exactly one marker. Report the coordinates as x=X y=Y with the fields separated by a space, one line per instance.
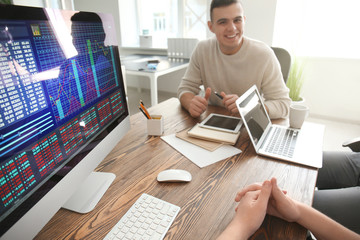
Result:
x=90 y=192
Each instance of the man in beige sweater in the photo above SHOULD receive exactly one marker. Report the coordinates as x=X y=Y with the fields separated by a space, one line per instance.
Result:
x=230 y=64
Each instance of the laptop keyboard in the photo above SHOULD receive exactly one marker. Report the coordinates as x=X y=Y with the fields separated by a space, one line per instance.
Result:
x=282 y=142
x=148 y=218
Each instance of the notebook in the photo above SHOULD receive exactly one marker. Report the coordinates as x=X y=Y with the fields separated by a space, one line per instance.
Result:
x=208 y=145
x=302 y=146
x=213 y=135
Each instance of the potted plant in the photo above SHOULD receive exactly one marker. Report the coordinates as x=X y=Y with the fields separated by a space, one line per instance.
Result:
x=296 y=80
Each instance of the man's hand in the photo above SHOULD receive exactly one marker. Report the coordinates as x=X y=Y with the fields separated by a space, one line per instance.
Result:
x=229 y=101
x=199 y=104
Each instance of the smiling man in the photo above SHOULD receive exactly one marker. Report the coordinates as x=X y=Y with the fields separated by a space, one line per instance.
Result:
x=229 y=64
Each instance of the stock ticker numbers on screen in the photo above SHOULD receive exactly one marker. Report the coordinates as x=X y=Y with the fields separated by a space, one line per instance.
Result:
x=16 y=176
x=20 y=94
x=47 y=154
x=116 y=102
x=89 y=122
x=71 y=135
x=48 y=49
x=104 y=109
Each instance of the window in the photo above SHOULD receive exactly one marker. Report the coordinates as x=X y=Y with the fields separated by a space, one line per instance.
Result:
x=162 y=19
x=158 y=18
x=320 y=28
x=195 y=18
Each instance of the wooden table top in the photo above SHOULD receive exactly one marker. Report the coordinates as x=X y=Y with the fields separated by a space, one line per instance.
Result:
x=207 y=202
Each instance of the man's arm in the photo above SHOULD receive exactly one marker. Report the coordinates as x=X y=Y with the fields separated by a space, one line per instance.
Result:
x=195 y=104
x=274 y=89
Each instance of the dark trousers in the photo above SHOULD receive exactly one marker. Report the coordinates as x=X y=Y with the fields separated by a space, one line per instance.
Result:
x=339 y=188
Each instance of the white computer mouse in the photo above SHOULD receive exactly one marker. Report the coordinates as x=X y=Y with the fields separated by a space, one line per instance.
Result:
x=174 y=175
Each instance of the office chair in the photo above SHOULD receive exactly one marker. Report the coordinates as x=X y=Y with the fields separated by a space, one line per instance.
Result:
x=284 y=58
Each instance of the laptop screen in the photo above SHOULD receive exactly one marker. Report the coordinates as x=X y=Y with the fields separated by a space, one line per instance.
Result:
x=254 y=114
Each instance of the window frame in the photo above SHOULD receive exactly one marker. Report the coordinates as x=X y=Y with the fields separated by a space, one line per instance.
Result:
x=131 y=41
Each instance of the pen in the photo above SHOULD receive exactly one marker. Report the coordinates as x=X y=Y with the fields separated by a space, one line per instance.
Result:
x=143 y=112
x=217 y=94
x=144 y=109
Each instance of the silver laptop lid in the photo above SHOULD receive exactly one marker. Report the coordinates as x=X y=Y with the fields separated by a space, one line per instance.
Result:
x=254 y=116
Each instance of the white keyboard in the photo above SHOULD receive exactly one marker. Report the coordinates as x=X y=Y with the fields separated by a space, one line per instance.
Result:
x=148 y=218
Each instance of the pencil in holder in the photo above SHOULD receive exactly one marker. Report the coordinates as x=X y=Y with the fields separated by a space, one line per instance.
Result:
x=155 y=125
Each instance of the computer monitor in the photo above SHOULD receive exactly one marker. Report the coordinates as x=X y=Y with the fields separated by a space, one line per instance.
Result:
x=62 y=110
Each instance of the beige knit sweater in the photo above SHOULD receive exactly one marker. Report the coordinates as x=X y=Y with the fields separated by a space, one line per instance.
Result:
x=254 y=63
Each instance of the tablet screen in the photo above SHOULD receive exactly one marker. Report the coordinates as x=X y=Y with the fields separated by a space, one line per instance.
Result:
x=222 y=122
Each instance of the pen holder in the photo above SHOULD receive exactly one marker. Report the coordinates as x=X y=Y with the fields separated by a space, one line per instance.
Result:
x=155 y=125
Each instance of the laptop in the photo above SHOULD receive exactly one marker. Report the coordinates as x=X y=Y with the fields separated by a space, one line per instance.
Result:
x=301 y=146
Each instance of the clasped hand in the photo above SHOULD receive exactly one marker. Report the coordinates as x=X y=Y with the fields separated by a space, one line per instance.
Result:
x=254 y=202
x=278 y=203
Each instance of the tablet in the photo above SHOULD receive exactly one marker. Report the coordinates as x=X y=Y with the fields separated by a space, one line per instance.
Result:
x=222 y=123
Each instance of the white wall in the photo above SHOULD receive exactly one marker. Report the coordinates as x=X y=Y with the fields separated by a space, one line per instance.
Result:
x=332 y=88
x=128 y=16
x=260 y=19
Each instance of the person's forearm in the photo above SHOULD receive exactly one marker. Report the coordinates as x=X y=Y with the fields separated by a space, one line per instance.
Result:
x=186 y=99
x=278 y=108
x=322 y=226
x=234 y=231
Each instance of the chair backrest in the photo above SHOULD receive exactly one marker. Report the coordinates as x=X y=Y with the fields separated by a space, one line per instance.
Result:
x=181 y=47
x=284 y=58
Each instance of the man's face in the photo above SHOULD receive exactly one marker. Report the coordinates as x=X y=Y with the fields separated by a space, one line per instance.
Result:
x=228 y=25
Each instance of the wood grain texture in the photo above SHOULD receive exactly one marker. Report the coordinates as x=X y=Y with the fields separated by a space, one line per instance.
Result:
x=207 y=202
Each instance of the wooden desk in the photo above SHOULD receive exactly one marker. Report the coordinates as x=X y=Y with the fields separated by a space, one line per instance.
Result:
x=207 y=202
x=137 y=65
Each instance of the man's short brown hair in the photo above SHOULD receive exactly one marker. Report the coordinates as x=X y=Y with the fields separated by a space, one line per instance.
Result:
x=221 y=3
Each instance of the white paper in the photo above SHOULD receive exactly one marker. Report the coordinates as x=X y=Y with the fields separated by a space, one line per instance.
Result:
x=198 y=155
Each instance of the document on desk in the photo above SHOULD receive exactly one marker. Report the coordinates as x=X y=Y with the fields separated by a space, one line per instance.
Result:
x=198 y=155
